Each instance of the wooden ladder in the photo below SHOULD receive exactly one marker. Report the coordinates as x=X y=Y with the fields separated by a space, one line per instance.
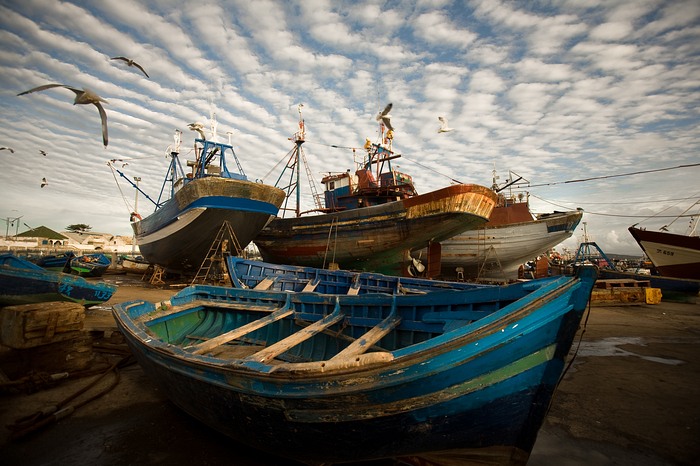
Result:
x=213 y=267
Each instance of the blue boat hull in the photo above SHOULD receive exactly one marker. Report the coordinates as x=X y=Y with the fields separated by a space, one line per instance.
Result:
x=180 y=233
x=22 y=282
x=478 y=389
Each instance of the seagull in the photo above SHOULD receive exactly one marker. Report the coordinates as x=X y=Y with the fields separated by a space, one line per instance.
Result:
x=131 y=62
x=8 y=148
x=385 y=118
x=199 y=127
x=443 y=125
x=42 y=152
x=44 y=182
x=84 y=96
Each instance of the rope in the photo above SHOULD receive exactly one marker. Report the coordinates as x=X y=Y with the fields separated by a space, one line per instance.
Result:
x=116 y=181
x=28 y=424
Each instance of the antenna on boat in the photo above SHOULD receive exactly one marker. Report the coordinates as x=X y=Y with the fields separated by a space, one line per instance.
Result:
x=213 y=124
x=178 y=139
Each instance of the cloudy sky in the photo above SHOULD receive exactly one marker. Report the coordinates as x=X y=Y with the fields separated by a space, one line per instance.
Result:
x=554 y=91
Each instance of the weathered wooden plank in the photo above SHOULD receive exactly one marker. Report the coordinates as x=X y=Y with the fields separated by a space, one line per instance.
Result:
x=281 y=313
x=272 y=351
x=30 y=325
x=264 y=284
x=311 y=286
x=372 y=336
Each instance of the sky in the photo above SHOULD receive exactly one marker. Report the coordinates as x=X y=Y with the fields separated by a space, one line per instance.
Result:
x=554 y=91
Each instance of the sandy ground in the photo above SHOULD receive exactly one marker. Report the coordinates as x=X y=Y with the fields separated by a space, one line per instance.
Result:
x=630 y=398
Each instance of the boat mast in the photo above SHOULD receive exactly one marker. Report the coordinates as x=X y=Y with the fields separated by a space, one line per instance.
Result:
x=299 y=139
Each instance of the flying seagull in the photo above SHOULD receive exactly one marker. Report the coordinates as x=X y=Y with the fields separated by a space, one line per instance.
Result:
x=42 y=152
x=385 y=118
x=8 y=148
x=131 y=62
x=199 y=127
x=44 y=182
x=84 y=96
x=443 y=125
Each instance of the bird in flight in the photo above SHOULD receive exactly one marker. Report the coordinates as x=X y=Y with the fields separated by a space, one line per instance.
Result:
x=8 y=148
x=44 y=182
x=199 y=127
x=443 y=125
x=385 y=118
x=42 y=152
x=84 y=96
x=131 y=62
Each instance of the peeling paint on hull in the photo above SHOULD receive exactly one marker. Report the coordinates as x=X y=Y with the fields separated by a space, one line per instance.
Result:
x=376 y=238
x=480 y=389
x=179 y=234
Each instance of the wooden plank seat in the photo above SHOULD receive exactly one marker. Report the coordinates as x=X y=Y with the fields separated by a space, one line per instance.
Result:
x=164 y=308
x=370 y=338
x=311 y=285
x=274 y=350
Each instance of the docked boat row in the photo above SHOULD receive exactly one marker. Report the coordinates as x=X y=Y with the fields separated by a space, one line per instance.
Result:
x=370 y=219
x=23 y=282
x=85 y=265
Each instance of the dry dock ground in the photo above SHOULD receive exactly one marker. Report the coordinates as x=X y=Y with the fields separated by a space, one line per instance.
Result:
x=631 y=397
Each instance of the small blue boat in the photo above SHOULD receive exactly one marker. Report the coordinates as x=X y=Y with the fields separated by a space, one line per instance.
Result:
x=323 y=378
x=90 y=265
x=57 y=262
x=246 y=273
x=22 y=282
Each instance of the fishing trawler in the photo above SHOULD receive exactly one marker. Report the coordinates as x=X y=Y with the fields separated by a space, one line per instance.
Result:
x=192 y=207
x=371 y=219
x=512 y=236
x=673 y=255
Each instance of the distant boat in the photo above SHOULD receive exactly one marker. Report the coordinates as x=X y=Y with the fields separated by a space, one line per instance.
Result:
x=90 y=265
x=136 y=265
x=259 y=275
x=466 y=375
x=192 y=208
x=57 y=262
x=23 y=282
x=511 y=237
x=673 y=255
x=672 y=288
x=372 y=219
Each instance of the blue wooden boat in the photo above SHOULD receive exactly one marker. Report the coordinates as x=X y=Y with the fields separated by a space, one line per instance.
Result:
x=321 y=378
x=22 y=282
x=259 y=275
x=57 y=262
x=90 y=265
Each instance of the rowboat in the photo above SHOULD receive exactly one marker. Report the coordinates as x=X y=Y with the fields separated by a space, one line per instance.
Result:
x=90 y=265
x=22 y=282
x=57 y=262
x=259 y=275
x=324 y=378
x=137 y=265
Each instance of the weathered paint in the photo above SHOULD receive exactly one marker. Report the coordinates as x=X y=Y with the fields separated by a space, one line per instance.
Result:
x=476 y=387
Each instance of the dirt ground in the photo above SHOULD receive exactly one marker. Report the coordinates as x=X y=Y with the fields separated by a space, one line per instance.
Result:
x=630 y=398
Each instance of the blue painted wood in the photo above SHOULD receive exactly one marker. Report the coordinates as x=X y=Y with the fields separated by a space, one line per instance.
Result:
x=245 y=273
x=22 y=282
x=90 y=265
x=481 y=387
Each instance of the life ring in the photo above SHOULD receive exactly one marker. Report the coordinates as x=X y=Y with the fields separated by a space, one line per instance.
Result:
x=135 y=217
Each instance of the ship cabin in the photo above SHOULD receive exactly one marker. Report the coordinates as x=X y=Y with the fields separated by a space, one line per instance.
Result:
x=344 y=191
